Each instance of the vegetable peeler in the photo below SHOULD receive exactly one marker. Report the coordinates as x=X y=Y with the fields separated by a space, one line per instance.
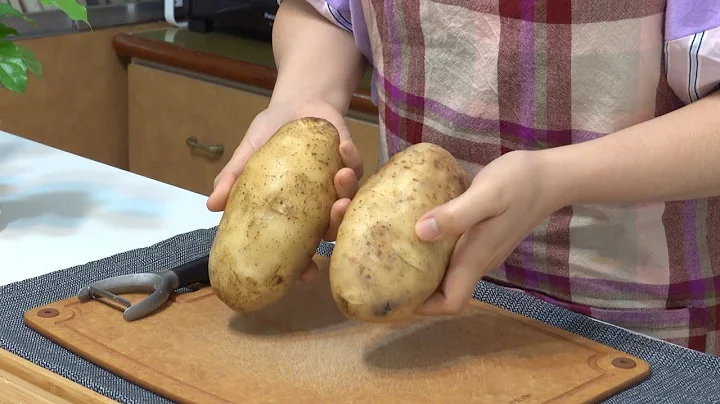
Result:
x=160 y=285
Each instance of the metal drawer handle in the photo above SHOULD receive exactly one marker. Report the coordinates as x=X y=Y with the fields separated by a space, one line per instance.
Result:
x=217 y=149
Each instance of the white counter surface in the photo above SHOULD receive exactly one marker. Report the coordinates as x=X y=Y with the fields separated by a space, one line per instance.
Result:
x=58 y=210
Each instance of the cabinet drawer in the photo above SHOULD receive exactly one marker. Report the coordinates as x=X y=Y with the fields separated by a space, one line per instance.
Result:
x=166 y=109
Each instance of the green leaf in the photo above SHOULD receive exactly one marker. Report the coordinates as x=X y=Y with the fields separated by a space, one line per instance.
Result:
x=6 y=10
x=75 y=11
x=31 y=61
x=6 y=31
x=13 y=68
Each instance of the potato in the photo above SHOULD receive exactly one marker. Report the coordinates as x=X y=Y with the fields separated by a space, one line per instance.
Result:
x=380 y=271
x=277 y=212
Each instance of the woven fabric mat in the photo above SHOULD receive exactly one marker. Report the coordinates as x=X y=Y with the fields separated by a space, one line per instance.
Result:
x=678 y=375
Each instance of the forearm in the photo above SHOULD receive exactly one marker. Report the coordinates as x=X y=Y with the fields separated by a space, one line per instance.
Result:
x=673 y=157
x=316 y=60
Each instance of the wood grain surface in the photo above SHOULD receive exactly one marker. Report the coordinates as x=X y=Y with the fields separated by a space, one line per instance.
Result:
x=196 y=350
x=22 y=381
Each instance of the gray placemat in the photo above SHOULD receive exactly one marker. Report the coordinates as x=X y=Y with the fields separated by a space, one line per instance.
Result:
x=679 y=375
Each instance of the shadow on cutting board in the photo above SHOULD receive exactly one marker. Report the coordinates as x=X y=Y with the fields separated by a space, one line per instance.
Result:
x=430 y=343
x=433 y=344
x=308 y=306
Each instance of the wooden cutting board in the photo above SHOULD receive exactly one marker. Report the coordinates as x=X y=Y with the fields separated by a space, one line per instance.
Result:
x=22 y=381
x=196 y=350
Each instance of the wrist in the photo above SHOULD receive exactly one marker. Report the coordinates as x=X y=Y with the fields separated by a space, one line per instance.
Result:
x=306 y=107
x=555 y=177
x=302 y=107
x=300 y=81
x=302 y=97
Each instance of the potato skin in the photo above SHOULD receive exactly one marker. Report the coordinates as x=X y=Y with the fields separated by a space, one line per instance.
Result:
x=380 y=271
x=277 y=212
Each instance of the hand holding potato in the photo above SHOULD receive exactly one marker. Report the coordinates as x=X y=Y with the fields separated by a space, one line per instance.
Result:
x=276 y=213
x=507 y=199
x=262 y=129
x=380 y=271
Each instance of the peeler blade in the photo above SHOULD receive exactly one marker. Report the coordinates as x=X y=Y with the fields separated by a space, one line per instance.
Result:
x=160 y=285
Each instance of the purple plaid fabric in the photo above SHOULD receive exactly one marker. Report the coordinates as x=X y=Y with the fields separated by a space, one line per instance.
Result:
x=483 y=77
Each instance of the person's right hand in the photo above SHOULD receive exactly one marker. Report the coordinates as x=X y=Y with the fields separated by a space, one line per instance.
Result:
x=261 y=130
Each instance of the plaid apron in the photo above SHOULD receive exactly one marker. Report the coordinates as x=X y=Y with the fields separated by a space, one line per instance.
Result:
x=485 y=77
x=481 y=78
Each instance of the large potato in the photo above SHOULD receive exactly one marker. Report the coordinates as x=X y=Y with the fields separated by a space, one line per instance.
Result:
x=277 y=212
x=380 y=271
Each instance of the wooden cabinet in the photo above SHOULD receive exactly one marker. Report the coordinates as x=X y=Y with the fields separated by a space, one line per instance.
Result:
x=184 y=129
x=166 y=109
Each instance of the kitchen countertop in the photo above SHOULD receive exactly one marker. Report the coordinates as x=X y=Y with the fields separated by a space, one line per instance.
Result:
x=220 y=55
x=58 y=210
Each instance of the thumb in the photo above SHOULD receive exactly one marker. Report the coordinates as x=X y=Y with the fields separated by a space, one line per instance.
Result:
x=226 y=179
x=455 y=217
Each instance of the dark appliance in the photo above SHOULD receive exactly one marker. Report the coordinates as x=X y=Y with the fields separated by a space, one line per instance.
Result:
x=250 y=18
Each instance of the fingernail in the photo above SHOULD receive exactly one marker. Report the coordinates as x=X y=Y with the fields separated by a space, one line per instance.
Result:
x=428 y=229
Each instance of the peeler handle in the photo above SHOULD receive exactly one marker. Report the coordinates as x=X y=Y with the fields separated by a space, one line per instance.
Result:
x=195 y=271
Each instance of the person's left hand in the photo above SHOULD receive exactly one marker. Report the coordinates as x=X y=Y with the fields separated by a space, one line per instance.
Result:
x=507 y=199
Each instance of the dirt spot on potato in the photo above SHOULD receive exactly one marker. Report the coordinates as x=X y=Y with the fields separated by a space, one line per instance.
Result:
x=385 y=309
x=365 y=272
x=379 y=230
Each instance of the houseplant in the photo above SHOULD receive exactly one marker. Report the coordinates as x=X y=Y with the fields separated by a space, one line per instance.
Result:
x=16 y=61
